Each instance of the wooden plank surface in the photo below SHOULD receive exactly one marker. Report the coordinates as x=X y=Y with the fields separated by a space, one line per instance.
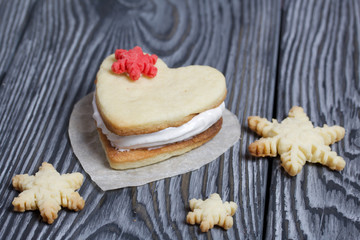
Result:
x=54 y=64
x=14 y=16
x=319 y=70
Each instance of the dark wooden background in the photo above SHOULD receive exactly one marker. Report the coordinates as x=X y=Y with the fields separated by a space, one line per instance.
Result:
x=274 y=54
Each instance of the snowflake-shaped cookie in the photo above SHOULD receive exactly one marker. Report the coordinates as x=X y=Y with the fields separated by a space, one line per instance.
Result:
x=211 y=212
x=296 y=141
x=135 y=63
x=47 y=191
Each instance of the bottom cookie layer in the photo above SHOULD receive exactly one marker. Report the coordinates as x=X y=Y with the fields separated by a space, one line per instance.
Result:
x=143 y=157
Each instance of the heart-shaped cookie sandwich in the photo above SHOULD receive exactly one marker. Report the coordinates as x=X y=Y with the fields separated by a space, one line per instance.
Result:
x=146 y=112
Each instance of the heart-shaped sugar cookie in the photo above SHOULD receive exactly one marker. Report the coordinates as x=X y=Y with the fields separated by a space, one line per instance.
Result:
x=148 y=105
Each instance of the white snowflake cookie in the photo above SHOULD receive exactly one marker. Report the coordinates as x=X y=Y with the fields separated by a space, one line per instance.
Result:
x=48 y=191
x=211 y=212
x=296 y=141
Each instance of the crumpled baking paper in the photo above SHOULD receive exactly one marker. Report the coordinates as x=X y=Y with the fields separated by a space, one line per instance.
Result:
x=87 y=147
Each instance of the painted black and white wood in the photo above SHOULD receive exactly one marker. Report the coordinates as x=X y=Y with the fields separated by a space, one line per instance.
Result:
x=274 y=55
x=319 y=70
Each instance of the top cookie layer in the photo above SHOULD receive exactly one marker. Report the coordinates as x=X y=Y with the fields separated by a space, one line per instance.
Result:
x=148 y=105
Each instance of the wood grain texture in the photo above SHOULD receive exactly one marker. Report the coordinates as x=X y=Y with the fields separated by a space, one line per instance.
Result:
x=14 y=16
x=319 y=70
x=54 y=65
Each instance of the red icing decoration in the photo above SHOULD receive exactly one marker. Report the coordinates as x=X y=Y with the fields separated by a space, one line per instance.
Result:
x=135 y=63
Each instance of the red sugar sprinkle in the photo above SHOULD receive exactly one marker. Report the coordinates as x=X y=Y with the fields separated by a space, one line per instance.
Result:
x=135 y=63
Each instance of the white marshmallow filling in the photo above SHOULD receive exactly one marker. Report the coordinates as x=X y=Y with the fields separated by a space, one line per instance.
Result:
x=195 y=126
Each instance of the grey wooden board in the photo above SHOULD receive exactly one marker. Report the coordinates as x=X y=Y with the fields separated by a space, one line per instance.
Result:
x=52 y=62
x=319 y=70
x=14 y=16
